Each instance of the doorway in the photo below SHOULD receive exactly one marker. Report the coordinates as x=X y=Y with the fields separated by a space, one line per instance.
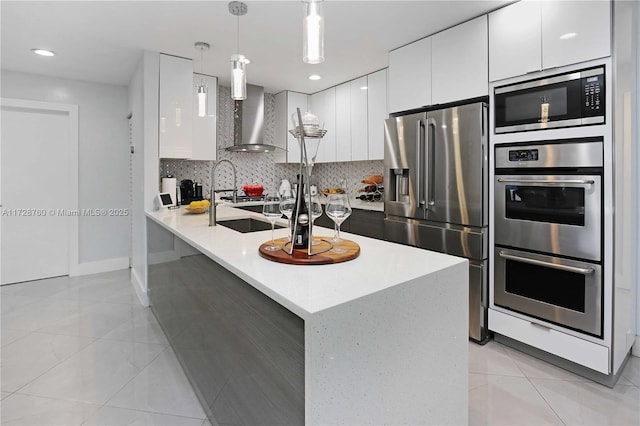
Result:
x=38 y=189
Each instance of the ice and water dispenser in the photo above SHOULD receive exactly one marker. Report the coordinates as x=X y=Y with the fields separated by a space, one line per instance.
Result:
x=399 y=185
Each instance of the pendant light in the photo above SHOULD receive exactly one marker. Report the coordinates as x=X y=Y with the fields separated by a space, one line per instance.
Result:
x=202 y=87
x=238 y=60
x=313 y=33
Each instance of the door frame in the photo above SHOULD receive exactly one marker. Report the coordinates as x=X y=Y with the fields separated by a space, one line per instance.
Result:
x=72 y=112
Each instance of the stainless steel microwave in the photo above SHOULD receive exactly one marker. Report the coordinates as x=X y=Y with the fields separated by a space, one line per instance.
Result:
x=571 y=99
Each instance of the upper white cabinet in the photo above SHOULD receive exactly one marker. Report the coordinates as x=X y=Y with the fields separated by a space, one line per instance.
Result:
x=287 y=103
x=410 y=76
x=359 y=116
x=176 y=106
x=204 y=128
x=530 y=36
x=575 y=31
x=343 y=122
x=323 y=105
x=377 y=112
x=514 y=40
x=460 y=62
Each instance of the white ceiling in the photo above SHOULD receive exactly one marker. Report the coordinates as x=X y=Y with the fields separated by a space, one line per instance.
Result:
x=102 y=41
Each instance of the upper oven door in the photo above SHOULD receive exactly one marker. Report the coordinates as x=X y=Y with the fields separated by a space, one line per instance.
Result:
x=564 y=100
x=559 y=214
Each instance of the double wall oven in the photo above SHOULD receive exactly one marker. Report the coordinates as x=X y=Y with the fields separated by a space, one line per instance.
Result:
x=548 y=231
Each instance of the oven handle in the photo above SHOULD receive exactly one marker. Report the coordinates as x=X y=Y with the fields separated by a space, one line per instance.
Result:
x=583 y=271
x=549 y=182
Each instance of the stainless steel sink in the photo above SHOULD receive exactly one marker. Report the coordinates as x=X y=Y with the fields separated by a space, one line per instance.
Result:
x=248 y=224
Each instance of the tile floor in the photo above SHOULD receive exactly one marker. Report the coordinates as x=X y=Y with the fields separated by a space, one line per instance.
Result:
x=82 y=351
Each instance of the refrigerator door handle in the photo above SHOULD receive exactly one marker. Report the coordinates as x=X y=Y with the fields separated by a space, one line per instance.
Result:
x=429 y=162
x=421 y=152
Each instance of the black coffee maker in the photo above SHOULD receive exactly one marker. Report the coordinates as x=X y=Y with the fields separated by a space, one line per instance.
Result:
x=190 y=191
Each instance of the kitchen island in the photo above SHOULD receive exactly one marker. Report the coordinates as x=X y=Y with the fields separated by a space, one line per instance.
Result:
x=381 y=339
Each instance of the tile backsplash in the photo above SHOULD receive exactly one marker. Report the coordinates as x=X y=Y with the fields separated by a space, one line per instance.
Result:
x=260 y=167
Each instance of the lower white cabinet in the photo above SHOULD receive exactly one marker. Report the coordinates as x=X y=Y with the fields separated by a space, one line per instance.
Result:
x=204 y=128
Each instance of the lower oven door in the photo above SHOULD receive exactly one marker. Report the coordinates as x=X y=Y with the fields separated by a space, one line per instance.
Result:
x=561 y=291
x=558 y=214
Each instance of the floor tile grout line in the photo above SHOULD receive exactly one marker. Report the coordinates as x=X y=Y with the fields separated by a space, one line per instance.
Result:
x=142 y=411
x=63 y=360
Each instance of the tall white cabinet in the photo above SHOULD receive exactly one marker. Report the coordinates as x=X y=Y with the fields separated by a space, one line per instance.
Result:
x=530 y=36
x=410 y=76
x=376 y=113
x=175 y=107
x=287 y=103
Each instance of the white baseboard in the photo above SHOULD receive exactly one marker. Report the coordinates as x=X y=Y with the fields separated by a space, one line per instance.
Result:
x=635 y=349
x=99 y=266
x=163 y=257
x=140 y=288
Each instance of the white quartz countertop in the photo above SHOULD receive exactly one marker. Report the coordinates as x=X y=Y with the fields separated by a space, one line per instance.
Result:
x=303 y=289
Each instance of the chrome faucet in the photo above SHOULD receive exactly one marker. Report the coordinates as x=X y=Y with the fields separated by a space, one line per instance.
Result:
x=212 y=210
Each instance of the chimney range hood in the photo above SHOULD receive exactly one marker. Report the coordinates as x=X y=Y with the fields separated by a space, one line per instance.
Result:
x=248 y=122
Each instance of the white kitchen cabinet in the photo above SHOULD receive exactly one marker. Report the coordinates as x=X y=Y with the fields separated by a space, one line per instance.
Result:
x=175 y=107
x=204 y=128
x=343 y=122
x=514 y=40
x=410 y=76
x=460 y=62
x=287 y=103
x=530 y=36
x=323 y=105
x=575 y=31
x=377 y=112
x=359 y=113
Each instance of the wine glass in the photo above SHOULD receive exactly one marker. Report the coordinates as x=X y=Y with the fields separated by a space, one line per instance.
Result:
x=287 y=201
x=315 y=209
x=271 y=209
x=338 y=209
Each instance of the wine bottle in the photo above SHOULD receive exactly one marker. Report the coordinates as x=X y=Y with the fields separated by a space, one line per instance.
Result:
x=300 y=217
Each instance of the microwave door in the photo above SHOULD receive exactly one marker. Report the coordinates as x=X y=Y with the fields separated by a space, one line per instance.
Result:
x=458 y=170
x=404 y=137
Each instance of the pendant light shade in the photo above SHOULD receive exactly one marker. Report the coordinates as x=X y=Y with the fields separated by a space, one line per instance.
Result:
x=238 y=60
x=238 y=77
x=202 y=100
x=313 y=33
x=202 y=87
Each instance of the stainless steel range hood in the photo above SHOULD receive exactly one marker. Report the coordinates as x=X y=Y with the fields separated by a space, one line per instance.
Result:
x=248 y=122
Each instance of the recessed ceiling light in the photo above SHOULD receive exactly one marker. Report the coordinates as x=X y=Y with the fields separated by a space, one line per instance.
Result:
x=43 y=52
x=567 y=36
x=363 y=88
x=314 y=77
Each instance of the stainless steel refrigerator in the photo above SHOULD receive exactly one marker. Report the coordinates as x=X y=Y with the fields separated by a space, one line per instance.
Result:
x=436 y=197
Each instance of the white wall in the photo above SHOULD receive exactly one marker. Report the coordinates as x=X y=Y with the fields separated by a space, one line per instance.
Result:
x=104 y=241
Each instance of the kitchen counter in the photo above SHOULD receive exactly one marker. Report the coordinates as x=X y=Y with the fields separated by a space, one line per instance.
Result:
x=383 y=337
x=355 y=203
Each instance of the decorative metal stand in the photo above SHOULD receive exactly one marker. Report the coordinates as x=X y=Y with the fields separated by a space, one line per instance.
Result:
x=306 y=164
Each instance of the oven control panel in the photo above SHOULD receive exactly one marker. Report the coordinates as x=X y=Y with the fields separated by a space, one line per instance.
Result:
x=593 y=95
x=523 y=155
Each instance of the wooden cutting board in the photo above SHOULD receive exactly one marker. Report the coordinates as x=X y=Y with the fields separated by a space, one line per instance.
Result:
x=300 y=256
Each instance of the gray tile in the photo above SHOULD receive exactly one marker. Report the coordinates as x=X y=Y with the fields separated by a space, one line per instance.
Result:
x=25 y=410
x=3 y=394
x=141 y=327
x=110 y=416
x=631 y=371
x=40 y=288
x=11 y=302
x=590 y=403
x=33 y=355
x=36 y=315
x=535 y=368
x=9 y=336
x=492 y=359
x=161 y=387
x=94 y=320
x=96 y=373
x=505 y=400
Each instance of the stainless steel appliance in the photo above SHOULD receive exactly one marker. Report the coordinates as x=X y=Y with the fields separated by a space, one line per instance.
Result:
x=548 y=231
x=575 y=98
x=436 y=179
